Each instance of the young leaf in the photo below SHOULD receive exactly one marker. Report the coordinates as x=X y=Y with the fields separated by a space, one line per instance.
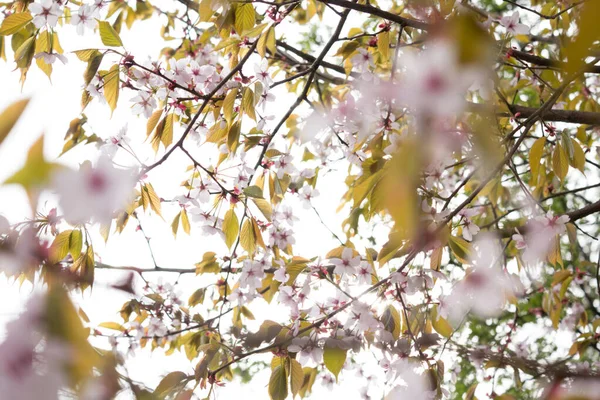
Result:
x=247 y=237
x=112 y=85
x=334 y=359
x=231 y=227
x=109 y=36
x=9 y=117
x=296 y=377
x=14 y=22
x=278 y=389
x=244 y=17
x=560 y=162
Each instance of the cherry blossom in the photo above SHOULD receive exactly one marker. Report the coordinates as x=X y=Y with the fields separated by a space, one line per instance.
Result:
x=94 y=193
x=512 y=25
x=50 y=58
x=83 y=19
x=306 y=195
x=287 y=298
x=145 y=104
x=347 y=264
x=46 y=12
x=115 y=142
x=262 y=72
x=364 y=274
x=252 y=275
x=281 y=275
x=469 y=229
x=307 y=349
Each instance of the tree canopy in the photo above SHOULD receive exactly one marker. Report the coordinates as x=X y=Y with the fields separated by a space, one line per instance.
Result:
x=456 y=140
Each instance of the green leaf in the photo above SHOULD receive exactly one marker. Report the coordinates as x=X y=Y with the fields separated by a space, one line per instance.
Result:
x=24 y=54
x=391 y=321
x=231 y=227
x=265 y=207
x=153 y=199
x=60 y=246
x=247 y=237
x=535 y=157
x=35 y=173
x=440 y=324
x=278 y=388
x=92 y=68
x=296 y=377
x=153 y=121
x=14 y=22
x=197 y=297
x=112 y=84
x=109 y=36
x=208 y=264
x=9 y=117
x=334 y=359
x=170 y=382
x=589 y=32
x=233 y=136
x=560 y=162
x=228 y=105
x=112 y=325
x=244 y=18
x=175 y=224
x=253 y=191
x=164 y=132
x=248 y=103
x=86 y=54
x=460 y=248
x=185 y=221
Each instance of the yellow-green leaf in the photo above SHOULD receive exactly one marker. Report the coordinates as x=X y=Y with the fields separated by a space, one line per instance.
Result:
x=278 y=388
x=14 y=22
x=334 y=359
x=170 y=382
x=248 y=103
x=440 y=324
x=231 y=227
x=112 y=84
x=247 y=237
x=9 y=117
x=35 y=173
x=560 y=162
x=265 y=207
x=244 y=17
x=228 y=104
x=296 y=377
x=383 y=45
x=185 y=221
x=109 y=36
x=535 y=157
x=460 y=248
x=589 y=32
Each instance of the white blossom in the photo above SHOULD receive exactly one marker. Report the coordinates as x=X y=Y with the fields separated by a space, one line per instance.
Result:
x=94 y=193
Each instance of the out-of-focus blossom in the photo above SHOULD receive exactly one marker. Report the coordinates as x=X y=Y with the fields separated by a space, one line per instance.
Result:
x=94 y=193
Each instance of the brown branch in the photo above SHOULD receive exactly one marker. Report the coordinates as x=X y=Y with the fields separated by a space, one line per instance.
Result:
x=569 y=116
x=364 y=8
